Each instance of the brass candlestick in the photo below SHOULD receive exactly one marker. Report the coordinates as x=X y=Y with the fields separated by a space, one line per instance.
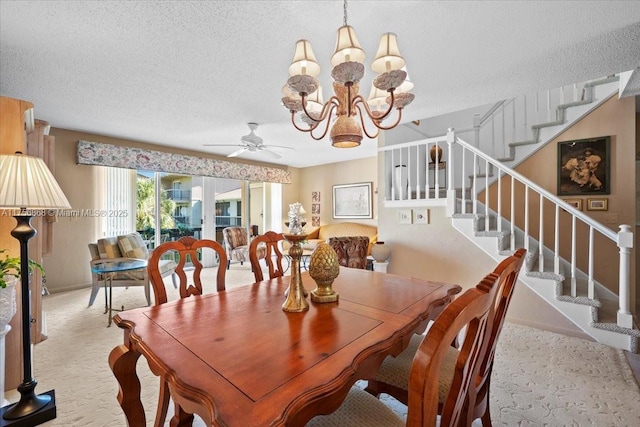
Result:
x=295 y=301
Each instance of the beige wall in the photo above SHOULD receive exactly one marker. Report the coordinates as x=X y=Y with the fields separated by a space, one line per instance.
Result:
x=68 y=266
x=323 y=178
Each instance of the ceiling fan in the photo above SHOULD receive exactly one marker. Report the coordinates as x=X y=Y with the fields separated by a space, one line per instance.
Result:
x=253 y=144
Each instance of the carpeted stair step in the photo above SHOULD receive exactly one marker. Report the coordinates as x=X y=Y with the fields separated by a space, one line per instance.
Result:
x=605 y=317
x=547 y=271
x=582 y=292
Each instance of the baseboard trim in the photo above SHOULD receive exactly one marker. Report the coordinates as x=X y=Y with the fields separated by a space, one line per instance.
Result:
x=545 y=327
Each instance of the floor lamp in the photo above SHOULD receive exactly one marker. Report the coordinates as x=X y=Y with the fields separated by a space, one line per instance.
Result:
x=28 y=187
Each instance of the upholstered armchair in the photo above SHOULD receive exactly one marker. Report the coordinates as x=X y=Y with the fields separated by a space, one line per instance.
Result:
x=120 y=248
x=352 y=251
x=236 y=244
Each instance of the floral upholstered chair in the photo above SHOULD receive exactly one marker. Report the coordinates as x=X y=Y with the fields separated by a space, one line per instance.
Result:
x=236 y=244
x=352 y=250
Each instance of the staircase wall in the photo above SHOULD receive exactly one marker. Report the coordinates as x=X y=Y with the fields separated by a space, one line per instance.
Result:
x=615 y=118
x=436 y=251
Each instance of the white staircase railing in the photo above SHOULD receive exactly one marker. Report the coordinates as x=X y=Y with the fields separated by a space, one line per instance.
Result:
x=517 y=121
x=512 y=201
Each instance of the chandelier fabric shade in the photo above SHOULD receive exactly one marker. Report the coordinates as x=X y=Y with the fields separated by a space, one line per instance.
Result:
x=27 y=182
x=347 y=47
x=388 y=57
x=345 y=111
x=304 y=61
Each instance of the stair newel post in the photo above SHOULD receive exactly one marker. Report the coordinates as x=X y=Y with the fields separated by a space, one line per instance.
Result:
x=556 y=242
x=451 y=192
x=541 y=235
x=591 y=290
x=486 y=196
x=476 y=129
x=526 y=217
x=625 y=243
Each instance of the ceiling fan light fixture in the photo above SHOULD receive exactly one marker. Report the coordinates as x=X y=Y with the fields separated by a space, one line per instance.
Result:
x=340 y=111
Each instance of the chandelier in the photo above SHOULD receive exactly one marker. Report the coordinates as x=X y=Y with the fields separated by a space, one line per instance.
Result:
x=389 y=90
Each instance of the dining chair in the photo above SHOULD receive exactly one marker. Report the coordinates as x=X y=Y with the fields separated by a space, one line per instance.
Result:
x=266 y=246
x=393 y=375
x=187 y=252
x=470 y=312
x=352 y=250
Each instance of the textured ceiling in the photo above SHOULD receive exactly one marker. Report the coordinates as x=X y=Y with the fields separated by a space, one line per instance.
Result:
x=192 y=73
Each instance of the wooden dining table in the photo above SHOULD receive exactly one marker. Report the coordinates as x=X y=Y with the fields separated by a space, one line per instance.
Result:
x=236 y=358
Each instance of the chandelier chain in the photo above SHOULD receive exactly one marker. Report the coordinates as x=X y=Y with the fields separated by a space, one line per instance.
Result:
x=345 y=12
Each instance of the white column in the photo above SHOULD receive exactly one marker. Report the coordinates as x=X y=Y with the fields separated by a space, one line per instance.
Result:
x=625 y=243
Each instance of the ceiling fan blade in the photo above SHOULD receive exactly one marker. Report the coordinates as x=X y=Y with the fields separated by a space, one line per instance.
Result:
x=222 y=145
x=279 y=146
x=240 y=151
x=270 y=153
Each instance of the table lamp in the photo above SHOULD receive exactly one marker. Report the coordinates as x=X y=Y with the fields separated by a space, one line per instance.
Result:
x=27 y=186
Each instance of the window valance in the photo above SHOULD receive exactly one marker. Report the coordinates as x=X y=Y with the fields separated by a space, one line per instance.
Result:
x=100 y=154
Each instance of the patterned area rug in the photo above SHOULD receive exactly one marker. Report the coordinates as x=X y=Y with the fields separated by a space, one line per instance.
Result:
x=540 y=378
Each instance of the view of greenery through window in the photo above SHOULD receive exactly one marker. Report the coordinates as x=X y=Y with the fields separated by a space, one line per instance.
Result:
x=181 y=198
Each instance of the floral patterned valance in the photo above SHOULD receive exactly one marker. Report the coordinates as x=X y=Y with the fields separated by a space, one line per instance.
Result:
x=100 y=154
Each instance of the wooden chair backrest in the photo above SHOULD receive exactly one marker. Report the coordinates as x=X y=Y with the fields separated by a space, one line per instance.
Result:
x=507 y=272
x=475 y=310
x=270 y=242
x=186 y=248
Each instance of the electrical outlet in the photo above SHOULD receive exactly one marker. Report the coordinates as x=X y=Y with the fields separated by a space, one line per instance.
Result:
x=610 y=218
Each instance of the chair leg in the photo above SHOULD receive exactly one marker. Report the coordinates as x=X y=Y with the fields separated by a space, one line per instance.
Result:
x=486 y=418
x=147 y=293
x=228 y=263
x=163 y=404
x=174 y=279
x=94 y=293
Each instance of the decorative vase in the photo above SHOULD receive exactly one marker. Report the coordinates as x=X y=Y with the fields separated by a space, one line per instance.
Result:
x=380 y=252
x=401 y=182
x=436 y=153
x=324 y=268
x=8 y=306
x=295 y=301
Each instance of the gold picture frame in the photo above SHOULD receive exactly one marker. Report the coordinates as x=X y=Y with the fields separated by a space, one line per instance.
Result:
x=576 y=203
x=597 y=204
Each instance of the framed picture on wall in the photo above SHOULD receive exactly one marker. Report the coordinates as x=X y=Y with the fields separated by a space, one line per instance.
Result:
x=597 y=204
x=576 y=203
x=584 y=167
x=352 y=200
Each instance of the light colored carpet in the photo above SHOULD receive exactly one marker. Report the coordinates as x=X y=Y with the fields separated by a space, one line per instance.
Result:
x=540 y=378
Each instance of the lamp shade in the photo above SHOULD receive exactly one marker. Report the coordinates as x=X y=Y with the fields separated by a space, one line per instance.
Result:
x=388 y=57
x=407 y=85
x=347 y=47
x=304 y=61
x=27 y=182
x=377 y=98
x=315 y=102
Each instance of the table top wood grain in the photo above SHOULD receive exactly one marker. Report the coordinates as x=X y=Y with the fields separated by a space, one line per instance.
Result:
x=236 y=358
